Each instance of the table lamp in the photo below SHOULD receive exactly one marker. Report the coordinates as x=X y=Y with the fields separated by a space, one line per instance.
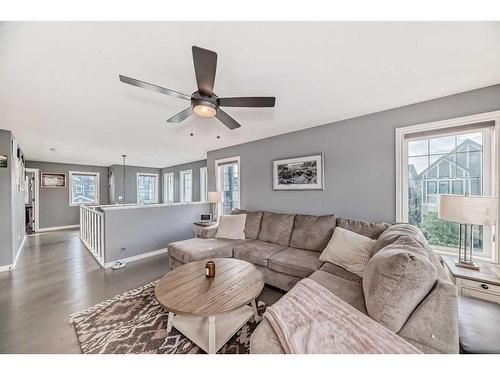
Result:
x=467 y=210
x=214 y=197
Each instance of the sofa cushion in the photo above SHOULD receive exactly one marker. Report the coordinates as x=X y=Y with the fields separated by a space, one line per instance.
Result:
x=395 y=282
x=341 y=272
x=295 y=262
x=202 y=248
x=394 y=232
x=256 y=252
x=312 y=232
x=276 y=228
x=231 y=227
x=349 y=250
x=348 y=291
x=252 y=225
x=365 y=228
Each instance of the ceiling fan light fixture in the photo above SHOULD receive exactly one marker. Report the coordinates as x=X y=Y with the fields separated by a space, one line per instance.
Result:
x=203 y=110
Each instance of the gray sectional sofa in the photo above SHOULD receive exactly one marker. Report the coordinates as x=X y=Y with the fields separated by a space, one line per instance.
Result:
x=286 y=248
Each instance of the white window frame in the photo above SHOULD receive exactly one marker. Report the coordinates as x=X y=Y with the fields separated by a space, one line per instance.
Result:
x=181 y=185
x=203 y=184
x=155 y=200
x=490 y=151
x=96 y=174
x=165 y=187
x=233 y=159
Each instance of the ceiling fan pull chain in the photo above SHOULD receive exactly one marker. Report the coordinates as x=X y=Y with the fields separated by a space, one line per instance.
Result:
x=191 y=123
x=218 y=134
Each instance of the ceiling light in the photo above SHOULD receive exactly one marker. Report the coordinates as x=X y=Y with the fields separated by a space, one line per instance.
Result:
x=204 y=110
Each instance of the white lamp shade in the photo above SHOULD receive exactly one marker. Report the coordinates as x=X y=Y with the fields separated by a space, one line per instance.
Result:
x=468 y=209
x=215 y=196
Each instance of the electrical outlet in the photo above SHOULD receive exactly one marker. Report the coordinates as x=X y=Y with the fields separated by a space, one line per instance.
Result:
x=120 y=198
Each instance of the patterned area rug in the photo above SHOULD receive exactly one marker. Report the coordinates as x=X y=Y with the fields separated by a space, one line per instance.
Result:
x=134 y=322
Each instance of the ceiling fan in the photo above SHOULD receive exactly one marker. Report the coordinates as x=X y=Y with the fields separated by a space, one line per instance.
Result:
x=204 y=102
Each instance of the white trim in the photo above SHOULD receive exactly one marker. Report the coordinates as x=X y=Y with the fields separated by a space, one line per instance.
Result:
x=97 y=174
x=165 y=187
x=232 y=159
x=138 y=257
x=402 y=173
x=10 y=267
x=36 y=194
x=19 y=250
x=156 y=197
x=51 y=229
x=203 y=189
x=181 y=185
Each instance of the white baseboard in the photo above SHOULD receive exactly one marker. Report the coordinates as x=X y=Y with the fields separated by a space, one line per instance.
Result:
x=139 y=257
x=21 y=247
x=10 y=267
x=51 y=229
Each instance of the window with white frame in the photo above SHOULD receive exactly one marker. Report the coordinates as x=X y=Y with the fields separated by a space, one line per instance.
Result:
x=228 y=181
x=186 y=185
x=445 y=158
x=203 y=184
x=147 y=188
x=83 y=188
x=168 y=183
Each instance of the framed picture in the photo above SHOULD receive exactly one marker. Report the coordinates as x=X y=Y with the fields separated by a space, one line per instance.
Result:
x=53 y=180
x=3 y=161
x=300 y=173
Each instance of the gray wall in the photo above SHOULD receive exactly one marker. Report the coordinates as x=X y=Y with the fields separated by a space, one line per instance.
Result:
x=143 y=229
x=195 y=166
x=130 y=183
x=359 y=159
x=12 y=228
x=55 y=210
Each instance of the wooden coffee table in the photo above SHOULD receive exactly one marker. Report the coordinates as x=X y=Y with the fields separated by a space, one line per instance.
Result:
x=209 y=311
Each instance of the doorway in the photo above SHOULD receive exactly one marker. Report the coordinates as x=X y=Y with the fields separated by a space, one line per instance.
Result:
x=31 y=201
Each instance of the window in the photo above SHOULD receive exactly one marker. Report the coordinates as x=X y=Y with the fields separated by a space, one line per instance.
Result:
x=451 y=159
x=147 y=188
x=83 y=188
x=168 y=182
x=186 y=188
x=228 y=181
x=203 y=184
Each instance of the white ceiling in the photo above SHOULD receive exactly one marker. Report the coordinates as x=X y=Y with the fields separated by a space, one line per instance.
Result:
x=59 y=81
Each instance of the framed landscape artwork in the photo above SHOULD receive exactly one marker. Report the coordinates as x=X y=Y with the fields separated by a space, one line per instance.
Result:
x=300 y=173
x=53 y=180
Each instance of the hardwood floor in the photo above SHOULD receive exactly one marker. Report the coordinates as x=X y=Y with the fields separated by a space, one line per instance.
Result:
x=57 y=276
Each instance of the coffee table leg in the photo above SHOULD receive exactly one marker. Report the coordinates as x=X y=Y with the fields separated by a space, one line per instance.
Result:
x=169 y=321
x=255 y=313
x=211 y=335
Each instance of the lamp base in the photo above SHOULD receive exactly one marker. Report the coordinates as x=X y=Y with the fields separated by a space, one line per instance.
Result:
x=470 y=265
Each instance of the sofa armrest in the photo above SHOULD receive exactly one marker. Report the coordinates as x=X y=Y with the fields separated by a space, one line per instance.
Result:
x=208 y=232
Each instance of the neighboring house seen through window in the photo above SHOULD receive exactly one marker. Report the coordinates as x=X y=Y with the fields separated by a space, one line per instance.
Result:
x=186 y=185
x=83 y=188
x=147 y=188
x=447 y=162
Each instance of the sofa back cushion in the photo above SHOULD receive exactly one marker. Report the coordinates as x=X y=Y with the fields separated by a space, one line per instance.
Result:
x=365 y=228
x=312 y=232
x=396 y=280
x=276 y=228
x=394 y=232
x=252 y=225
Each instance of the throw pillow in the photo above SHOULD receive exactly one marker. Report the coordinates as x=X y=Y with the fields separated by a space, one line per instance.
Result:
x=348 y=250
x=231 y=227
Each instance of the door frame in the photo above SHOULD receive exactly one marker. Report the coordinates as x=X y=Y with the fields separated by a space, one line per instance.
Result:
x=36 y=194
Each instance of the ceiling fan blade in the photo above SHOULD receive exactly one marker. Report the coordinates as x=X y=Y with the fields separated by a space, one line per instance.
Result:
x=150 y=86
x=249 y=101
x=181 y=116
x=227 y=120
x=205 y=66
